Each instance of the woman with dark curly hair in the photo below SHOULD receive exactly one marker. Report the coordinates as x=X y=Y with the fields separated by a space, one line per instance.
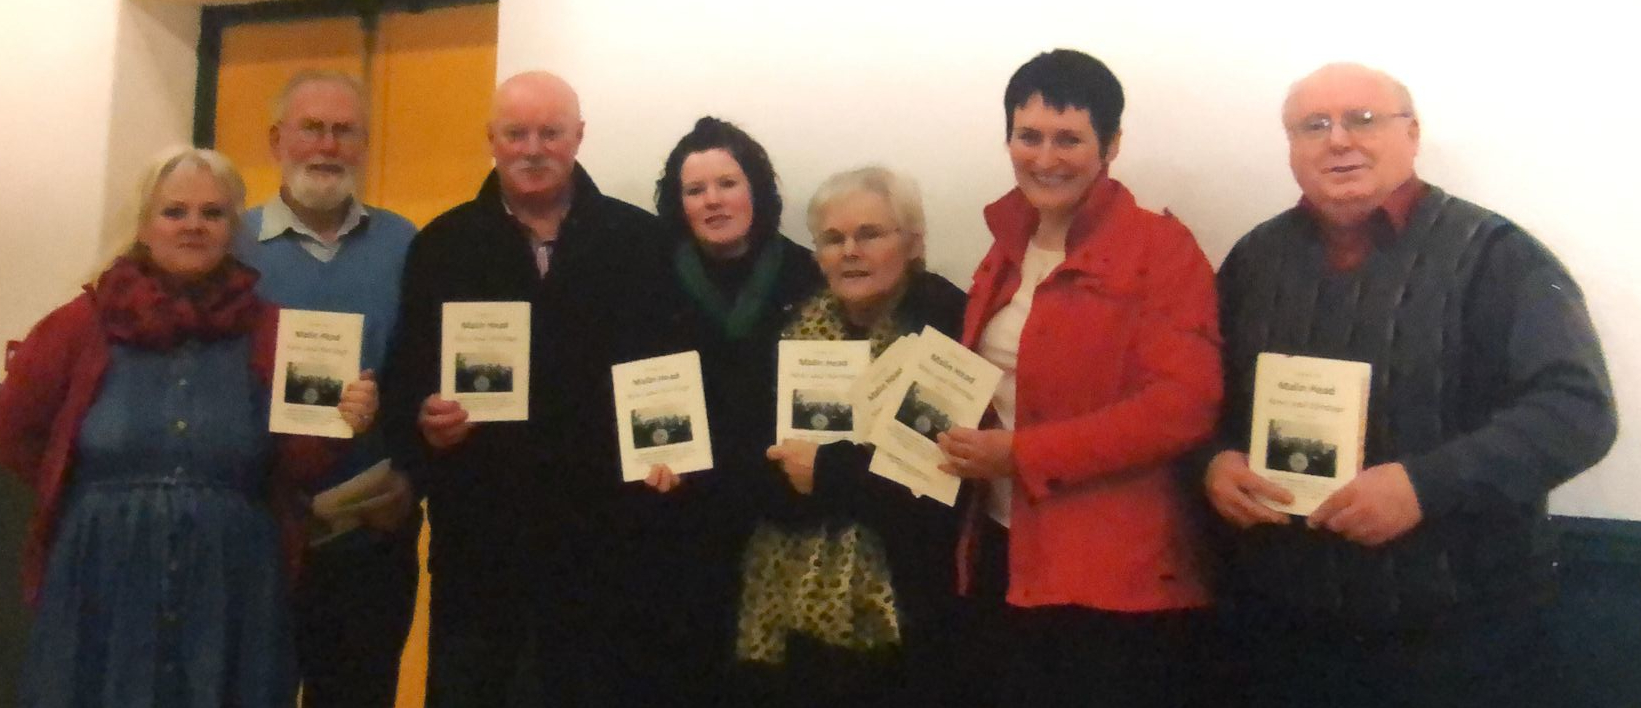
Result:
x=736 y=280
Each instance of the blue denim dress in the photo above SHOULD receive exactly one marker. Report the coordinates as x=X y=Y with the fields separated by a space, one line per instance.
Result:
x=165 y=585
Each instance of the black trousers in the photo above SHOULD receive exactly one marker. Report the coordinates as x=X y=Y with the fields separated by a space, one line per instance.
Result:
x=1494 y=660
x=1079 y=656
x=354 y=603
x=528 y=625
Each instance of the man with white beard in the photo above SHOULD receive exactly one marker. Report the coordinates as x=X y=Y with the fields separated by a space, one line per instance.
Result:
x=319 y=248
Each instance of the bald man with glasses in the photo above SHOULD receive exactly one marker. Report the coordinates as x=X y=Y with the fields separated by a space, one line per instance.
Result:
x=1424 y=580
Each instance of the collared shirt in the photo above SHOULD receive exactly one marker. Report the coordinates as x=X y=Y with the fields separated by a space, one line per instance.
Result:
x=278 y=220
x=541 y=247
x=1348 y=246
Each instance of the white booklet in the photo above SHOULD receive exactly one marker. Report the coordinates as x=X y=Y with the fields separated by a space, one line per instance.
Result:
x=317 y=355
x=484 y=359
x=812 y=384
x=944 y=386
x=338 y=510
x=1309 y=425
x=661 y=415
x=879 y=377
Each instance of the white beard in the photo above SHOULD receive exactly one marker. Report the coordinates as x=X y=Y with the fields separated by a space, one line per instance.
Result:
x=319 y=193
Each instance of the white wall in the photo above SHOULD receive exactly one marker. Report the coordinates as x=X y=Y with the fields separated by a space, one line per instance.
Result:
x=92 y=89
x=1529 y=111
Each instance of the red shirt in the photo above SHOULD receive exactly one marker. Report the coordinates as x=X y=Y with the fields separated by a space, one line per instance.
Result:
x=1347 y=246
x=1118 y=375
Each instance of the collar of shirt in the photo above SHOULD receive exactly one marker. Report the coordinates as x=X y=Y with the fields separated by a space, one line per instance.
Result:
x=278 y=219
x=1347 y=246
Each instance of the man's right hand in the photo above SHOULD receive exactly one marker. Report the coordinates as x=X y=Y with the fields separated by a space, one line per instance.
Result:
x=444 y=423
x=1234 y=490
x=662 y=479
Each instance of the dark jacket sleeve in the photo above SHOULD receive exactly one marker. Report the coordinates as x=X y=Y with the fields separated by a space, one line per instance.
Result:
x=410 y=372
x=1544 y=410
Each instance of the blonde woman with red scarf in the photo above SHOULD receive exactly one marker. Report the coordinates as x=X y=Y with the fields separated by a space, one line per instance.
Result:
x=138 y=412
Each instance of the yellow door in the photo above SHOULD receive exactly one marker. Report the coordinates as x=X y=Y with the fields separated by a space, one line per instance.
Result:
x=431 y=76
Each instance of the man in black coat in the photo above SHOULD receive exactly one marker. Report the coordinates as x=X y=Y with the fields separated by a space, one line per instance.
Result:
x=1424 y=580
x=521 y=511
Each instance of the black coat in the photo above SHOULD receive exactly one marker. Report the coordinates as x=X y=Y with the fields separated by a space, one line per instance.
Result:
x=489 y=497
x=685 y=550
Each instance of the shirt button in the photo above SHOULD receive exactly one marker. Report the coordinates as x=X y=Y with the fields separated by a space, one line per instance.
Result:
x=180 y=426
x=174 y=566
x=182 y=383
x=179 y=470
x=170 y=618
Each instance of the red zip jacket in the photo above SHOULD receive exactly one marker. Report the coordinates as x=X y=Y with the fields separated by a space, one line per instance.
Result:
x=52 y=380
x=1119 y=374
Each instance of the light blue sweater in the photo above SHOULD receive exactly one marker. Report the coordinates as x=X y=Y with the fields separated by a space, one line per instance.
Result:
x=363 y=277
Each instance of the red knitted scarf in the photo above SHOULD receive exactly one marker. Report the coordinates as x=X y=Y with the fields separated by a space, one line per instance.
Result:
x=143 y=306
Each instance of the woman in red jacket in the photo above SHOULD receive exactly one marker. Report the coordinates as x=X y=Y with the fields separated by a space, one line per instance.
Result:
x=1102 y=316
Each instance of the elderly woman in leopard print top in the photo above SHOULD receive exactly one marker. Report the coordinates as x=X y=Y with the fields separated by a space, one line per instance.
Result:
x=848 y=592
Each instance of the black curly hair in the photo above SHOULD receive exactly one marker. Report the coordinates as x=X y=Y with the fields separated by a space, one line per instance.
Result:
x=713 y=133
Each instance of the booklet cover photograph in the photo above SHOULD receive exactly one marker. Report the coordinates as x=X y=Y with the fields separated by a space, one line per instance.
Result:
x=824 y=410
x=309 y=384
x=923 y=412
x=483 y=372
x=661 y=425
x=1303 y=448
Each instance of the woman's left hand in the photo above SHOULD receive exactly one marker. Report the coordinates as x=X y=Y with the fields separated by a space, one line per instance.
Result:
x=797 y=460
x=978 y=454
x=358 y=406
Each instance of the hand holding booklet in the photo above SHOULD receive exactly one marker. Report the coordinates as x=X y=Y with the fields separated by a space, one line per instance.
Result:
x=661 y=415
x=316 y=356
x=1309 y=425
x=942 y=386
x=484 y=359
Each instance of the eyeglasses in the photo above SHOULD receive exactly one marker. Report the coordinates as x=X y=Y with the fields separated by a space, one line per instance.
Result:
x=864 y=236
x=1359 y=121
x=315 y=131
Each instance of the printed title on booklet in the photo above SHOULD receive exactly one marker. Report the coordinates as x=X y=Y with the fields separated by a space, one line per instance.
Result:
x=319 y=335
x=823 y=362
x=949 y=367
x=484 y=325
x=1311 y=388
x=652 y=379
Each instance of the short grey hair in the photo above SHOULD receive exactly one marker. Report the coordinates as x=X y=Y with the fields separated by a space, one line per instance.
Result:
x=900 y=191
x=282 y=102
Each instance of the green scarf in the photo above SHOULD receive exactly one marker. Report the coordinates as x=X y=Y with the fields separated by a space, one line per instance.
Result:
x=735 y=320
